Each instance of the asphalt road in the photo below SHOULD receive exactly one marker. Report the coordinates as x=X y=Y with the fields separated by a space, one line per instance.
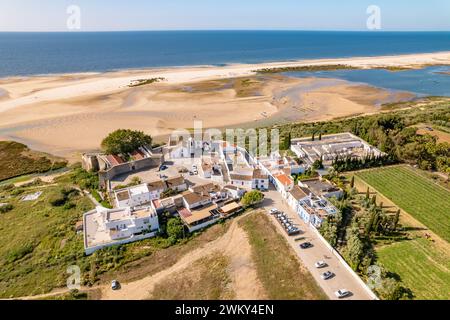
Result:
x=343 y=279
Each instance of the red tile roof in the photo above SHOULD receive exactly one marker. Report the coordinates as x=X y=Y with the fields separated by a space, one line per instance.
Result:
x=284 y=179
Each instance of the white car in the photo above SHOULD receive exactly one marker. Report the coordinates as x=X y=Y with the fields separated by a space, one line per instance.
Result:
x=342 y=293
x=274 y=211
x=115 y=285
x=320 y=264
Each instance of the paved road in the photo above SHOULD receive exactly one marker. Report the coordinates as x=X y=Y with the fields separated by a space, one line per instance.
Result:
x=343 y=278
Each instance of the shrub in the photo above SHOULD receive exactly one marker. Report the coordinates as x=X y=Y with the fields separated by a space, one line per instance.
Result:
x=253 y=197
x=6 y=208
x=175 y=228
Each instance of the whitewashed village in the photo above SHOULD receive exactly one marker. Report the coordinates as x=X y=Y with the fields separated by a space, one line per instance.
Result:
x=206 y=189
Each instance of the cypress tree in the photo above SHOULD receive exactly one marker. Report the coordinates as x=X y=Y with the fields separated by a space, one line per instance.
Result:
x=352 y=183
x=368 y=193
x=396 y=219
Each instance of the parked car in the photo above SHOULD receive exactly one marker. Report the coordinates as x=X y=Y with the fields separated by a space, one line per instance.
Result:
x=115 y=285
x=327 y=275
x=320 y=264
x=274 y=211
x=342 y=293
x=163 y=167
x=306 y=245
x=293 y=231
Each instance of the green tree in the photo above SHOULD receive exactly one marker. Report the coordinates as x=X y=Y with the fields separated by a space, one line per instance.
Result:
x=352 y=182
x=175 y=229
x=396 y=220
x=124 y=141
x=251 y=198
x=390 y=289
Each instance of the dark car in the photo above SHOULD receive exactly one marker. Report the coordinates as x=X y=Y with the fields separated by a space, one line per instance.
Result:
x=293 y=231
x=327 y=275
x=163 y=167
x=306 y=245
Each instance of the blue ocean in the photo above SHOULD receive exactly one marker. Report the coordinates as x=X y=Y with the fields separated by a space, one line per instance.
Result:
x=51 y=53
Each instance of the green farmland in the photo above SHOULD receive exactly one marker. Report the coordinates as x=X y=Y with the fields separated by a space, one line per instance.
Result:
x=422 y=266
x=417 y=195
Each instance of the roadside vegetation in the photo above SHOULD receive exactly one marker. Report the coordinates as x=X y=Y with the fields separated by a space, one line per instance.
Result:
x=17 y=159
x=278 y=269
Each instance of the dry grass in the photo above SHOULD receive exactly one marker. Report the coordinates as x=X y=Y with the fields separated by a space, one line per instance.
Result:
x=278 y=268
x=163 y=259
x=204 y=279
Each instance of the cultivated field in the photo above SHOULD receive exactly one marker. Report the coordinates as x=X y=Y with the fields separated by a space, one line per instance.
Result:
x=415 y=194
x=421 y=265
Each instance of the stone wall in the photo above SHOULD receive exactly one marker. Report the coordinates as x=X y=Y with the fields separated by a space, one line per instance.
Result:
x=129 y=167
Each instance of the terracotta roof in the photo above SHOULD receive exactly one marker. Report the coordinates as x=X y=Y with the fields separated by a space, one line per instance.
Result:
x=114 y=160
x=137 y=155
x=284 y=179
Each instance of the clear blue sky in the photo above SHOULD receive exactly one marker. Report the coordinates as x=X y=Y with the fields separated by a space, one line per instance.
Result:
x=106 y=15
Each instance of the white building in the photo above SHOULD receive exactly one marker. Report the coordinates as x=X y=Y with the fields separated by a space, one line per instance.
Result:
x=283 y=183
x=296 y=195
x=314 y=210
x=132 y=196
x=260 y=180
x=244 y=181
x=156 y=188
x=107 y=227
x=322 y=188
x=177 y=184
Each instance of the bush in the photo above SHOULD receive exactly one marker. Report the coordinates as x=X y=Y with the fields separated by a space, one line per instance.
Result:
x=7 y=187
x=253 y=197
x=6 y=208
x=175 y=228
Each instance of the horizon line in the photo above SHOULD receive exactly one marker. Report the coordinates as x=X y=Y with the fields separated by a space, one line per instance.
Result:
x=222 y=30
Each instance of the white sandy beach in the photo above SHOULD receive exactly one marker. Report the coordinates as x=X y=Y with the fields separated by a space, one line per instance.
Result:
x=67 y=114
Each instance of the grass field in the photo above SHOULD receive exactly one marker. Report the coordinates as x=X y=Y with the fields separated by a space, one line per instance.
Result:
x=17 y=160
x=417 y=195
x=422 y=267
x=278 y=269
x=38 y=241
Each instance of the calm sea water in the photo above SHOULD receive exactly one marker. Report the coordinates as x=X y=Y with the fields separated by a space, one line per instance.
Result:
x=44 y=53
x=431 y=81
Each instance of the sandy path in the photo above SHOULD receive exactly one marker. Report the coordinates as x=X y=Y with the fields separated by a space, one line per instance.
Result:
x=234 y=244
